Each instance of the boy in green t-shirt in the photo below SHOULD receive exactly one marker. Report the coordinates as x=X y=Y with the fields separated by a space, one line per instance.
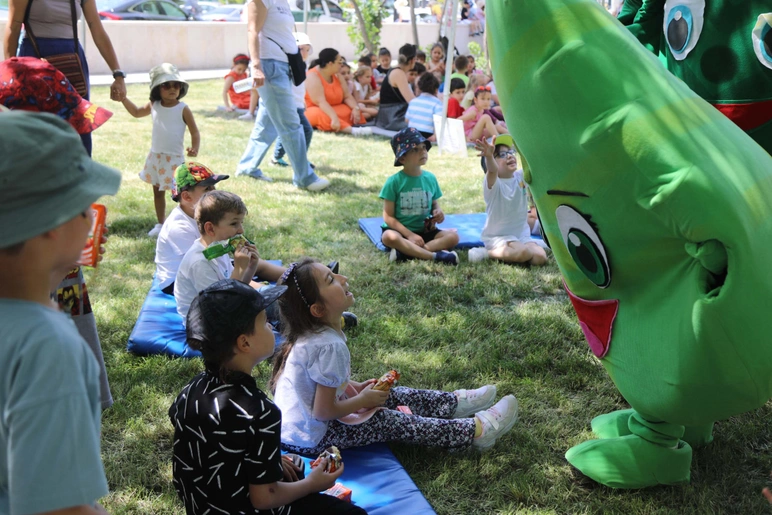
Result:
x=410 y=208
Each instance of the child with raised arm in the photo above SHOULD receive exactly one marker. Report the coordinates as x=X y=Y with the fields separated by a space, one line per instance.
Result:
x=49 y=394
x=410 y=208
x=170 y=118
x=226 y=429
x=506 y=234
x=323 y=406
x=231 y=98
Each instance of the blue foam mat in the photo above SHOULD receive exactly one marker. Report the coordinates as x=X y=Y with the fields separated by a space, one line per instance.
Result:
x=378 y=482
x=159 y=328
x=469 y=229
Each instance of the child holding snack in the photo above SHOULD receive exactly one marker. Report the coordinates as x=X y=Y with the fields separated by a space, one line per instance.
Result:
x=323 y=407
x=477 y=123
x=49 y=394
x=235 y=100
x=410 y=207
x=180 y=230
x=170 y=118
x=226 y=429
x=506 y=234
x=220 y=217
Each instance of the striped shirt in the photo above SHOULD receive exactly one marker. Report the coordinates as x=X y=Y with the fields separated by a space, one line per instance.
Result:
x=421 y=110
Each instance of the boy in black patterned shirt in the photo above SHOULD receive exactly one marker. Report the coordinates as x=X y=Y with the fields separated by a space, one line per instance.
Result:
x=227 y=433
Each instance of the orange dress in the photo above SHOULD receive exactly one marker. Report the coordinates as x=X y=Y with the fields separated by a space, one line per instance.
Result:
x=240 y=100
x=333 y=93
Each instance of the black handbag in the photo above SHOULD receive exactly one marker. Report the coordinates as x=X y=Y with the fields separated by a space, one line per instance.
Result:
x=68 y=64
x=296 y=65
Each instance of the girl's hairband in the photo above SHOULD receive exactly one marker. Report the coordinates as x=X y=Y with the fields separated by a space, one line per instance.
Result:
x=289 y=271
x=240 y=57
x=482 y=88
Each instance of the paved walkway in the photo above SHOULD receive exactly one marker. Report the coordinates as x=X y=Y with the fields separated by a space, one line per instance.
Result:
x=139 y=78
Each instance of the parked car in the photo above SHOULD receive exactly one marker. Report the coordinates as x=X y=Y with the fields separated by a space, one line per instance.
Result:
x=196 y=8
x=157 y=10
x=320 y=10
x=230 y=12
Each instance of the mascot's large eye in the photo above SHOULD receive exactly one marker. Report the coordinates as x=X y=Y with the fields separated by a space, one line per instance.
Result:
x=584 y=245
x=762 y=39
x=683 y=25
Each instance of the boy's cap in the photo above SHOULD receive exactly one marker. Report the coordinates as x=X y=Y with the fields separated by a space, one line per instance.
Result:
x=501 y=139
x=46 y=176
x=190 y=174
x=405 y=140
x=32 y=84
x=224 y=304
x=167 y=72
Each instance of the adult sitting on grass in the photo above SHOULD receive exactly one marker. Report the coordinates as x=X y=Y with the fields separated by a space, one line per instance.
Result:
x=396 y=92
x=49 y=396
x=329 y=104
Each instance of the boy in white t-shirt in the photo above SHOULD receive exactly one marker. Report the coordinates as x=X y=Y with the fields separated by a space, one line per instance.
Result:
x=506 y=234
x=180 y=229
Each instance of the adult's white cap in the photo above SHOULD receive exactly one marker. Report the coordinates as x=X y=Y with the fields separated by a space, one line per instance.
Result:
x=302 y=38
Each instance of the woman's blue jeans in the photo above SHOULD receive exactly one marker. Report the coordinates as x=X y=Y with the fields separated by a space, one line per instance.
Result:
x=277 y=115
x=54 y=46
x=278 y=150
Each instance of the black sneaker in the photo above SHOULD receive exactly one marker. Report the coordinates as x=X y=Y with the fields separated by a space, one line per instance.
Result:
x=334 y=267
x=349 y=320
x=449 y=258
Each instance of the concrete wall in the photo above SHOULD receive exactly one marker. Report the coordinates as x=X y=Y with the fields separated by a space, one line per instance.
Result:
x=212 y=45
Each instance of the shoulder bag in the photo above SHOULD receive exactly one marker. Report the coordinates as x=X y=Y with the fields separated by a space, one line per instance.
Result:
x=69 y=64
x=296 y=64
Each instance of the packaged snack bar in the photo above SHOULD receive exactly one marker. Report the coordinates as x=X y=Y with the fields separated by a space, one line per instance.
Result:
x=339 y=491
x=220 y=248
x=387 y=380
x=334 y=459
x=90 y=254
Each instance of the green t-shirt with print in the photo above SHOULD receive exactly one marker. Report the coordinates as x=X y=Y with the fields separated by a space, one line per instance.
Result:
x=412 y=197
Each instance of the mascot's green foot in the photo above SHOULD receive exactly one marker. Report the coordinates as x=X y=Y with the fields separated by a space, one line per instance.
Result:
x=612 y=425
x=632 y=462
x=698 y=436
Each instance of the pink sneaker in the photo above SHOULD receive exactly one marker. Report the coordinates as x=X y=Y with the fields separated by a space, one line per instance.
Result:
x=472 y=401
x=496 y=421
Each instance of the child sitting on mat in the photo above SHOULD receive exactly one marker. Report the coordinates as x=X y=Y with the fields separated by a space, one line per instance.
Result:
x=226 y=429
x=219 y=216
x=410 y=208
x=506 y=234
x=180 y=229
x=235 y=100
x=323 y=406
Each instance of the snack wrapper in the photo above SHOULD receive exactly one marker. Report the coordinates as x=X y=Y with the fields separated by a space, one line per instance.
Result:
x=335 y=460
x=229 y=246
x=387 y=380
x=405 y=409
x=90 y=254
x=339 y=491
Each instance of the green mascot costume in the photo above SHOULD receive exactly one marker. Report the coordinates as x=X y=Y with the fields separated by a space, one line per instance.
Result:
x=722 y=49
x=658 y=210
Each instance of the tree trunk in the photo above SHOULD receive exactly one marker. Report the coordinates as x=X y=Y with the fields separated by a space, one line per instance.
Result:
x=363 y=27
x=413 y=22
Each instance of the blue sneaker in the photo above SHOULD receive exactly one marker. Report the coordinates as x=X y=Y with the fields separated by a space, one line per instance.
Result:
x=449 y=258
x=257 y=174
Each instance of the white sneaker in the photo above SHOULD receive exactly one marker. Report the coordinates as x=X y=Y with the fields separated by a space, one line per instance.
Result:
x=361 y=131
x=246 y=116
x=155 y=231
x=472 y=401
x=318 y=185
x=496 y=421
x=477 y=254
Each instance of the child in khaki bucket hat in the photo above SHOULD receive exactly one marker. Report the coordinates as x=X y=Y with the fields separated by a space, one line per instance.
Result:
x=167 y=148
x=49 y=396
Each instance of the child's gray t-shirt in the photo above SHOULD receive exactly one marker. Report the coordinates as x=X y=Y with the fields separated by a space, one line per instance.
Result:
x=316 y=358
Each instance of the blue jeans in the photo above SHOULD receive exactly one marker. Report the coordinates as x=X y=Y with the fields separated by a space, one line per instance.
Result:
x=278 y=151
x=54 y=46
x=277 y=115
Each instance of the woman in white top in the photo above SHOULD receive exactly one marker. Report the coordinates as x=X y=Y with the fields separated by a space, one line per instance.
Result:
x=270 y=26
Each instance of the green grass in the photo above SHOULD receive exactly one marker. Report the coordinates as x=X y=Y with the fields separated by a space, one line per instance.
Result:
x=442 y=327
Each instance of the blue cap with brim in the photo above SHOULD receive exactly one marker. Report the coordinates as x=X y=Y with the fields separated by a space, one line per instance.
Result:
x=46 y=176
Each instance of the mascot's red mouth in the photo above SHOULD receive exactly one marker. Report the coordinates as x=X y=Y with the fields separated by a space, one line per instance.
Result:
x=596 y=318
x=747 y=116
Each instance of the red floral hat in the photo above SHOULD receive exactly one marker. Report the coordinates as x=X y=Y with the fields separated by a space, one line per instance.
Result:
x=31 y=84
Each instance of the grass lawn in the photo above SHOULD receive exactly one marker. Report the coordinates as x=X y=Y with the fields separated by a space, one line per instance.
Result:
x=442 y=327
